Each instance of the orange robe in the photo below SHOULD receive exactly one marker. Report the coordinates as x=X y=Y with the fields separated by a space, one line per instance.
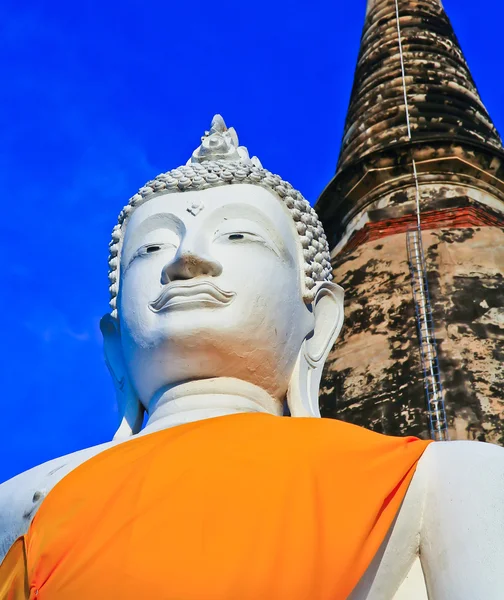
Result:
x=246 y=506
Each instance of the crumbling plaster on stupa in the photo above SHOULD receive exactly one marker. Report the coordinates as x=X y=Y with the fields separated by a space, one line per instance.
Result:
x=373 y=376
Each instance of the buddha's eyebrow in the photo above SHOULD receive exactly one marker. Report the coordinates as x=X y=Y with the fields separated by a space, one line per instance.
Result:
x=135 y=236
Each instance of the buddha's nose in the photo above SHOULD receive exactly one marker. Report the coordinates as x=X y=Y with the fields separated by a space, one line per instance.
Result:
x=187 y=265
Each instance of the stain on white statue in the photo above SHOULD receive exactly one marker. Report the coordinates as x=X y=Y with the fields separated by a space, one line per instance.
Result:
x=222 y=306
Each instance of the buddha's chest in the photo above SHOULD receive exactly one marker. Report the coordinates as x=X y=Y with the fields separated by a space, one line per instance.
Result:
x=158 y=510
x=223 y=534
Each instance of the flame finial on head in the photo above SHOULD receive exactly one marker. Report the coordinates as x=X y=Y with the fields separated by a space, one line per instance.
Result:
x=221 y=143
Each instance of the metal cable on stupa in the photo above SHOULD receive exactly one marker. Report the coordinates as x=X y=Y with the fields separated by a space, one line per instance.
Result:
x=419 y=282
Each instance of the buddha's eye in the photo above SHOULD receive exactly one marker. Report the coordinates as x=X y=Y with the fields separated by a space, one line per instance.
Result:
x=164 y=249
x=244 y=237
x=238 y=236
x=150 y=249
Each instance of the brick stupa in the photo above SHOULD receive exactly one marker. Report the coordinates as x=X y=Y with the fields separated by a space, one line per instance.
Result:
x=374 y=376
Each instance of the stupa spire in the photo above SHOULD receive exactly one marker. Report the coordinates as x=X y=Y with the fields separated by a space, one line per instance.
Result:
x=442 y=97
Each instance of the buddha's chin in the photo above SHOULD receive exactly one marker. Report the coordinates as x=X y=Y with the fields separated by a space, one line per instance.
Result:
x=204 y=353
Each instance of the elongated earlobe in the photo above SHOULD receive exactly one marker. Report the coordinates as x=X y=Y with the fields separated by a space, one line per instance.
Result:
x=303 y=393
x=131 y=411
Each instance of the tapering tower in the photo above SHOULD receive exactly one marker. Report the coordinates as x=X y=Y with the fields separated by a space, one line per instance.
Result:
x=417 y=135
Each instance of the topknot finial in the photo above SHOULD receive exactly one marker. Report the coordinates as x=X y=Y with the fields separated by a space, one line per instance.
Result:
x=221 y=143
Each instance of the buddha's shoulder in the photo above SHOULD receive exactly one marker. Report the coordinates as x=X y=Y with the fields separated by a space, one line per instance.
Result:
x=21 y=496
x=336 y=432
x=462 y=457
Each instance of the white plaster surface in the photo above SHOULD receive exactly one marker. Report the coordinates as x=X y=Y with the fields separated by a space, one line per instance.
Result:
x=413 y=586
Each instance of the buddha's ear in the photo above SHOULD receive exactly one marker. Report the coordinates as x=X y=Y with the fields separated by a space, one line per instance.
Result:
x=303 y=393
x=130 y=408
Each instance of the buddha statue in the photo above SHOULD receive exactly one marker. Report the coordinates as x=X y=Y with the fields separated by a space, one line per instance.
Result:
x=223 y=312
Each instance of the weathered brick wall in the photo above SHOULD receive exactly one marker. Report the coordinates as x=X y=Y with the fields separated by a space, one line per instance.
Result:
x=373 y=376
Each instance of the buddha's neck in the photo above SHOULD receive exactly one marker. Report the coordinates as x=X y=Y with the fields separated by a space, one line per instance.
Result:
x=207 y=398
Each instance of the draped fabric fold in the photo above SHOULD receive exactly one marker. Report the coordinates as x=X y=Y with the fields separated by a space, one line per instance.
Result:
x=13 y=573
x=245 y=506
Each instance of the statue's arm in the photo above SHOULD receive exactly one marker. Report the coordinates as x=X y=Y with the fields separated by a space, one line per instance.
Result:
x=462 y=531
x=21 y=496
x=15 y=511
x=393 y=562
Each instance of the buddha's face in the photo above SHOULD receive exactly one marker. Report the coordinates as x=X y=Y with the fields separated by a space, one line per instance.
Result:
x=211 y=287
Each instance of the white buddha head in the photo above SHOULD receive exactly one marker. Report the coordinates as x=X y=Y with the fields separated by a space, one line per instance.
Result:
x=219 y=269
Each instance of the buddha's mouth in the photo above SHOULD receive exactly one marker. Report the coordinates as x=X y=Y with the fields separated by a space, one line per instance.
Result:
x=191 y=294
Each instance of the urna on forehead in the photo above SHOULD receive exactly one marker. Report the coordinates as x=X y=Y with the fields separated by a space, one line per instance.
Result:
x=220 y=161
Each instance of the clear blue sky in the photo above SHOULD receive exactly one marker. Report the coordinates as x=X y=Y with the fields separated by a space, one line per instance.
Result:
x=97 y=98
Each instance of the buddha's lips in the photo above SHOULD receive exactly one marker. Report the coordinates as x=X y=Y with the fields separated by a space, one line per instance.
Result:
x=181 y=293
